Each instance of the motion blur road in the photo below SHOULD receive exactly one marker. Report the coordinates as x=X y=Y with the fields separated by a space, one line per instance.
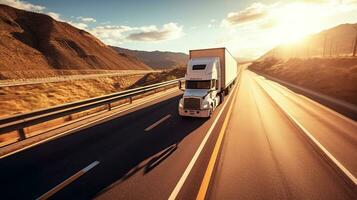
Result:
x=264 y=155
x=152 y=153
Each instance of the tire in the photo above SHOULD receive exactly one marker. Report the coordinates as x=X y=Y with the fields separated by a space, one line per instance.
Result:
x=222 y=97
x=210 y=113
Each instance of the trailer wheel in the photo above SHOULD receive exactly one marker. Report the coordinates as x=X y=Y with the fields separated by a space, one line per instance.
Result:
x=222 y=96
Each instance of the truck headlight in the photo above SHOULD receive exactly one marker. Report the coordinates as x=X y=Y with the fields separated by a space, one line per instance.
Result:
x=205 y=105
x=181 y=103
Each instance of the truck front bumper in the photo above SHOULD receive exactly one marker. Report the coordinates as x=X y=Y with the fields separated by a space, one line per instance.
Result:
x=194 y=113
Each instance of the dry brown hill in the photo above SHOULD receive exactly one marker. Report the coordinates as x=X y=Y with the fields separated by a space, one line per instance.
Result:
x=34 y=41
x=157 y=59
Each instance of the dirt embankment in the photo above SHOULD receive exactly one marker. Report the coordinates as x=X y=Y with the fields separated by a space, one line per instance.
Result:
x=335 y=77
x=15 y=75
x=19 y=99
x=152 y=78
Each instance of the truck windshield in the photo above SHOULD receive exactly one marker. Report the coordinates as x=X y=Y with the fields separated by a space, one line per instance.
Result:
x=198 y=84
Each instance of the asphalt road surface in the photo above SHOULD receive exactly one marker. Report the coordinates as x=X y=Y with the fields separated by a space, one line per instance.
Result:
x=152 y=153
x=265 y=157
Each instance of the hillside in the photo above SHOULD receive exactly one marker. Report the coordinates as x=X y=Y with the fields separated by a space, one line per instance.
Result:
x=335 y=77
x=332 y=71
x=157 y=59
x=33 y=41
x=337 y=41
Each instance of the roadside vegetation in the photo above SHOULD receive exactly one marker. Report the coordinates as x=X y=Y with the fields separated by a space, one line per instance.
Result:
x=20 y=99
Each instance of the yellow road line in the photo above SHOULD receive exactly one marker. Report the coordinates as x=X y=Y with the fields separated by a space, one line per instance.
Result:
x=209 y=171
x=188 y=169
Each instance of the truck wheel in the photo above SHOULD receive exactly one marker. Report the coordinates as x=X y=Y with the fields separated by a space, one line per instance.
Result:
x=222 y=97
x=210 y=113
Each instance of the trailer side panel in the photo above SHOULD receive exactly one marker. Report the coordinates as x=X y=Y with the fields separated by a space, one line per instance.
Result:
x=230 y=68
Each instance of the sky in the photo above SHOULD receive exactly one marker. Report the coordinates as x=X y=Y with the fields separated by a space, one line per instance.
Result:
x=248 y=29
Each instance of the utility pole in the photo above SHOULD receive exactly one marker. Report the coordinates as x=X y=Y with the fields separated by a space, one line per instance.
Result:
x=331 y=42
x=324 y=50
x=355 y=45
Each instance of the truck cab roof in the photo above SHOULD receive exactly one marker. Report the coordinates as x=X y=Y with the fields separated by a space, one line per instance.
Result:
x=205 y=68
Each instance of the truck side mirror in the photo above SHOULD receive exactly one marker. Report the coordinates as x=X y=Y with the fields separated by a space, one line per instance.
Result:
x=180 y=86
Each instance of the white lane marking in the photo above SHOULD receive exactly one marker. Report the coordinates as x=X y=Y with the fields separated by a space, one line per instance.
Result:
x=94 y=122
x=344 y=170
x=280 y=88
x=91 y=166
x=68 y=181
x=324 y=97
x=158 y=122
x=198 y=152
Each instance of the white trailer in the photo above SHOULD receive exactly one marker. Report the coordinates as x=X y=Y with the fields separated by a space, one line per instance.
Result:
x=210 y=75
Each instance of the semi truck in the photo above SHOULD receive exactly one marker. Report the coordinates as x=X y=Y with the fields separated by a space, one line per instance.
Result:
x=210 y=75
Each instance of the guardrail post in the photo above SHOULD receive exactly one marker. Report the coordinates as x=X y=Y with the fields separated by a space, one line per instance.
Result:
x=130 y=100
x=109 y=107
x=21 y=133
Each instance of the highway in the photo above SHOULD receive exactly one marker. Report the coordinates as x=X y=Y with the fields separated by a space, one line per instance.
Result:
x=248 y=149
x=265 y=157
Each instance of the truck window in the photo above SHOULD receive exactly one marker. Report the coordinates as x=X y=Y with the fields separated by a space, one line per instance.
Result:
x=198 y=84
x=198 y=67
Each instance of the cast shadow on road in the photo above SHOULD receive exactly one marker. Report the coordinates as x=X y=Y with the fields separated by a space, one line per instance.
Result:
x=152 y=163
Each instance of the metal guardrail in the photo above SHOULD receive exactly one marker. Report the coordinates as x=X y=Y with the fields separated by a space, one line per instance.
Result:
x=21 y=121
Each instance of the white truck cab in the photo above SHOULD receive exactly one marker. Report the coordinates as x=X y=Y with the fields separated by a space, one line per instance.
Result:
x=201 y=88
x=211 y=73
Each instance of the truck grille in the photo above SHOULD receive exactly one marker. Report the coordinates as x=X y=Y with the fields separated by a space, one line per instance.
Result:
x=191 y=103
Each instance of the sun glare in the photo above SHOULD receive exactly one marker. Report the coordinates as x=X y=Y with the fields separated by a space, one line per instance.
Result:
x=296 y=21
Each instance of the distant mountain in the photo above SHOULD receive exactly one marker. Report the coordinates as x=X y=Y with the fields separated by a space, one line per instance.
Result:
x=336 y=41
x=34 y=41
x=157 y=59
